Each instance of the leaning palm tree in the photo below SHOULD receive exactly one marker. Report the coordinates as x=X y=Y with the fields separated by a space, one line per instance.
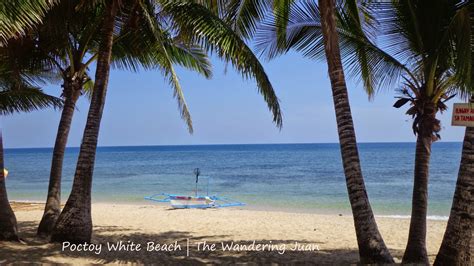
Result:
x=198 y=25
x=372 y=248
x=68 y=38
x=17 y=94
x=316 y=31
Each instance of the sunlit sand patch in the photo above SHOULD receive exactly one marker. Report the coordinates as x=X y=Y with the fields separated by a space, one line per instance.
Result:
x=334 y=236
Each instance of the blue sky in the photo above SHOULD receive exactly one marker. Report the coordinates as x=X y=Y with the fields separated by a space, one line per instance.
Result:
x=141 y=110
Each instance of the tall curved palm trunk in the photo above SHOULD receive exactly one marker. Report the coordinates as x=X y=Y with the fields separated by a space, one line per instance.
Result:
x=8 y=226
x=457 y=247
x=415 y=251
x=75 y=223
x=71 y=93
x=372 y=248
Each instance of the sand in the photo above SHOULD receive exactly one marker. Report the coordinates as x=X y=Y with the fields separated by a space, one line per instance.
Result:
x=323 y=239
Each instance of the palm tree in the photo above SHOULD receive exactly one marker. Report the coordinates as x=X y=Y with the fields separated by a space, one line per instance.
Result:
x=315 y=31
x=66 y=44
x=458 y=240
x=69 y=38
x=74 y=223
x=17 y=94
x=436 y=57
x=456 y=247
x=372 y=248
x=8 y=225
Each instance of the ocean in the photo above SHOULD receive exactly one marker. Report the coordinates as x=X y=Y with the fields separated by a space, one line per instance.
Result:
x=287 y=177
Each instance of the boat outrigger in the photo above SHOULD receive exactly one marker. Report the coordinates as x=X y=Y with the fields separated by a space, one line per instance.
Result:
x=196 y=201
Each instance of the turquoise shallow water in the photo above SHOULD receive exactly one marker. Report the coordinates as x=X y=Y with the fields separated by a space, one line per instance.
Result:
x=297 y=177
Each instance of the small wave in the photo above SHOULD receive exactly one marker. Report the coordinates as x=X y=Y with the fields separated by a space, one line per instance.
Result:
x=429 y=217
x=27 y=201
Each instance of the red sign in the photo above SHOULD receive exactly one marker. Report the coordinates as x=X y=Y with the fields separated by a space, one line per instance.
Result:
x=463 y=115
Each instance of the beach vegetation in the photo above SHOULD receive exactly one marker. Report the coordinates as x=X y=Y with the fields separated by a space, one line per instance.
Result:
x=421 y=49
x=69 y=38
x=196 y=24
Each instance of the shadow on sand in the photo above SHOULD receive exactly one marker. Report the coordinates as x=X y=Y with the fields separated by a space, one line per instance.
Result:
x=39 y=251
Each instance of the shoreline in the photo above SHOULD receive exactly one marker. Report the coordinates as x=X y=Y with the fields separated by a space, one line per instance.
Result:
x=251 y=208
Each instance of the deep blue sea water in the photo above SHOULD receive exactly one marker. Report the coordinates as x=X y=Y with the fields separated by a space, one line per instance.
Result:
x=297 y=177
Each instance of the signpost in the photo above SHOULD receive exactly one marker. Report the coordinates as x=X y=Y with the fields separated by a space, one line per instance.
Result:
x=463 y=115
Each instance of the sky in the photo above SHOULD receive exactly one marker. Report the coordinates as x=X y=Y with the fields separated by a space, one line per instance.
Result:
x=140 y=110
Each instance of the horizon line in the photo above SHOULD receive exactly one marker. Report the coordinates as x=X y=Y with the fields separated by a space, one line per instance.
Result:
x=231 y=144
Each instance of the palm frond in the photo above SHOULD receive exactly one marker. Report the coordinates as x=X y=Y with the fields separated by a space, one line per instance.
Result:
x=216 y=35
x=462 y=32
x=364 y=60
x=26 y=100
x=244 y=15
x=87 y=88
x=23 y=64
x=149 y=46
x=18 y=16
x=168 y=70
x=134 y=51
x=281 y=10
x=419 y=33
x=193 y=58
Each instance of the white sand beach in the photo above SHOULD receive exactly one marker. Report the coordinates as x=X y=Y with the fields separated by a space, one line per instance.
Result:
x=329 y=238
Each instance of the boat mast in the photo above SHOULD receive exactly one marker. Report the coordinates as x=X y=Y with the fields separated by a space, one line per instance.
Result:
x=197 y=172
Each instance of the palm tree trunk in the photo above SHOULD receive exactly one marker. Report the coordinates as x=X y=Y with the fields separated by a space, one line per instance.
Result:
x=8 y=226
x=415 y=251
x=71 y=92
x=75 y=223
x=457 y=247
x=372 y=248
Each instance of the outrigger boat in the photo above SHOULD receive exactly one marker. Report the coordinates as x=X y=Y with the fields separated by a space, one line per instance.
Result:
x=196 y=201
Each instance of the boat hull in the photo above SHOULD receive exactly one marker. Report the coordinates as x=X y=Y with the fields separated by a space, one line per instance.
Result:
x=184 y=202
